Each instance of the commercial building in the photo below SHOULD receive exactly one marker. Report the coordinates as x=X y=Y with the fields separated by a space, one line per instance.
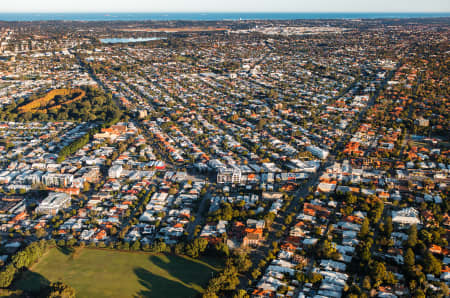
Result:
x=318 y=152
x=54 y=202
x=115 y=171
x=57 y=180
x=229 y=175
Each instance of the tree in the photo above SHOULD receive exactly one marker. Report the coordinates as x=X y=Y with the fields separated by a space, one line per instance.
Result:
x=412 y=236
x=366 y=283
x=388 y=227
x=196 y=247
x=377 y=211
x=256 y=273
x=419 y=294
x=390 y=278
x=242 y=261
x=365 y=253
x=444 y=289
x=160 y=246
x=431 y=264
x=179 y=248
x=230 y=278
x=7 y=276
x=86 y=186
x=209 y=294
x=113 y=231
x=409 y=258
x=315 y=278
x=364 y=228
x=20 y=259
x=71 y=242
x=327 y=249
x=226 y=281
x=288 y=220
x=40 y=233
x=136 y=246
x=351 y=199
x=222 y=249
x=241 y=294
x=379 y=272
x=61 y=290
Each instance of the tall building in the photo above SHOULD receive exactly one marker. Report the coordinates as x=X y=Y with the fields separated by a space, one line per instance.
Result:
x=57 y=180
x=54 y=202
x=229 y=175
x=318 y=152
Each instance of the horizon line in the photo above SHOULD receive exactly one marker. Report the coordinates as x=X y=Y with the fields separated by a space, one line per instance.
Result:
x=206 y=12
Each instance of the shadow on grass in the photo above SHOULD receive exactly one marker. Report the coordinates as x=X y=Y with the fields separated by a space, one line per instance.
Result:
x=65 y=250
x=188 y=272
x=157 y=286
x=31 y=282
x=185 y=277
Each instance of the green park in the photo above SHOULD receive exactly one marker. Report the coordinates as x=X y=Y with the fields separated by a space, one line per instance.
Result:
x=106 y=273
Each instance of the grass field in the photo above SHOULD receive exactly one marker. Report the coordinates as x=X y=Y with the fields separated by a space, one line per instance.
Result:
x=104 y=273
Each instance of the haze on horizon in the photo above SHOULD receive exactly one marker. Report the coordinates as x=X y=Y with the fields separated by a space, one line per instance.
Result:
x=41 y=6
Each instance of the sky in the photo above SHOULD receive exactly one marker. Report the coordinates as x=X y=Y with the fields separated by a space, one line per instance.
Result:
x=225 y=6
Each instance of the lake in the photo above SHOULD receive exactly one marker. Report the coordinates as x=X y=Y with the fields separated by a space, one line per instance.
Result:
x=127 y=40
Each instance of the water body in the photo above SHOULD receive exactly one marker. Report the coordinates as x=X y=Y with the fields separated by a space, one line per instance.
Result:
x=126 y=40
x=206 y=16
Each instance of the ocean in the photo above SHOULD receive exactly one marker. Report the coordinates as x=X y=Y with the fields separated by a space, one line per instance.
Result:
x=206 y=16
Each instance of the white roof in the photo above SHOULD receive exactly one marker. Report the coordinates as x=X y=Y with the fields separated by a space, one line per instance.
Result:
x=406 y=216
